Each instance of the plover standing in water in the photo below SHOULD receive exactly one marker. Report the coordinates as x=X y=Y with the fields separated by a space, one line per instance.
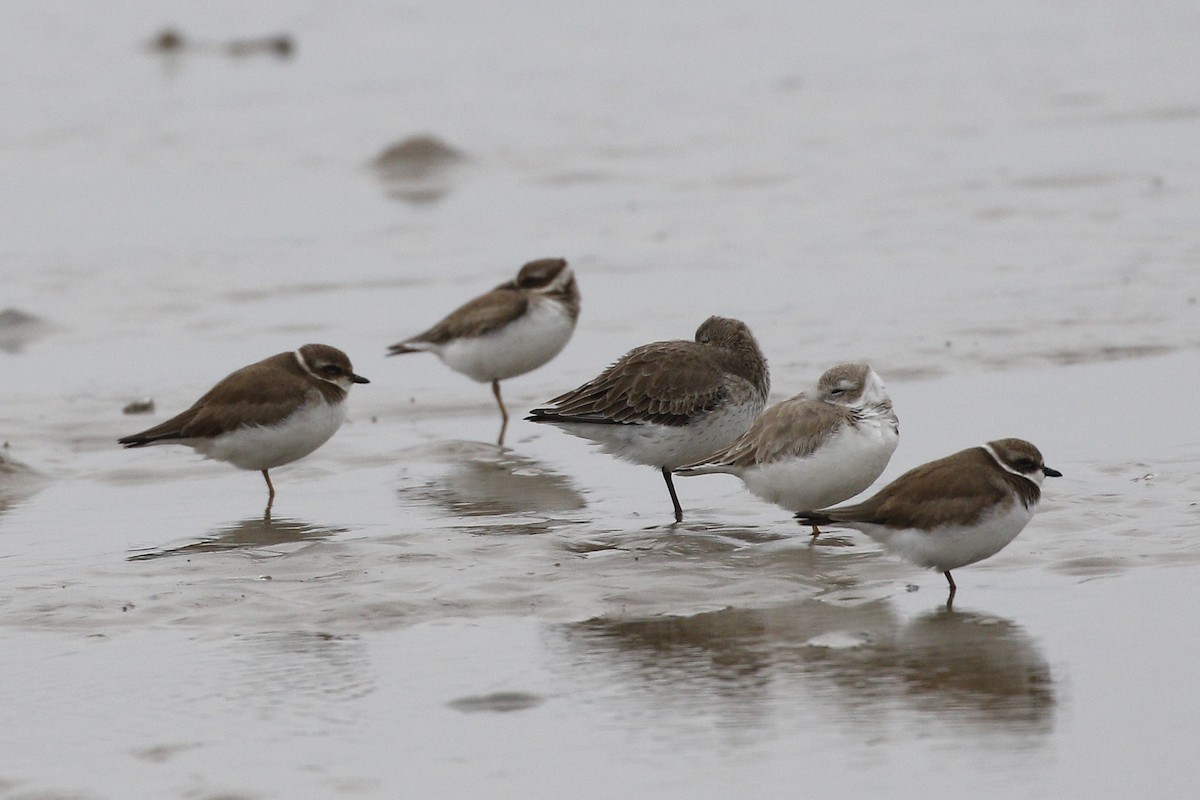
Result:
x=954 y=511
x=513 y=329
x=264 y=415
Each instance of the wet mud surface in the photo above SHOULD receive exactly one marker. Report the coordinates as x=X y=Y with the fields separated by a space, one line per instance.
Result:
x=1001 y=222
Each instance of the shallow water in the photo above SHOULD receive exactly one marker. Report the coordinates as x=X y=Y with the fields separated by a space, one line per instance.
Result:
x=1001 y=220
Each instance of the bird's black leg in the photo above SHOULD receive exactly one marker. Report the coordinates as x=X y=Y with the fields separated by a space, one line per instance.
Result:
x=270 y=494
x=503 y=412
x=666 y=473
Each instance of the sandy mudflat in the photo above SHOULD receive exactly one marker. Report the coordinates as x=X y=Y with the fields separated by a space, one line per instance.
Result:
x=996 y=207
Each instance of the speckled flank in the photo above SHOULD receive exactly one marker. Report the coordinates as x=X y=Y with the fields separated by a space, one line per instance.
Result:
x=671 y=446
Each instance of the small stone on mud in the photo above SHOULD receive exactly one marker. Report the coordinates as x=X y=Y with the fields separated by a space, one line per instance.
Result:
x=497 y=702
x=167 y=40
x=143 y=406
x=417 y=157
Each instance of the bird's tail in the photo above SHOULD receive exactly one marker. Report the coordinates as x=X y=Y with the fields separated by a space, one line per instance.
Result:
x=145 y=438
x=402 y=348
x=703 y=469
x=554 y=415
x=813 y=518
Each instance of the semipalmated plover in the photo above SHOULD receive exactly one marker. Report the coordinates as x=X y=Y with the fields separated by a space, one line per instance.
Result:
x=264 y=415
x=513 y=329
x=670 y=403
x=954 y=511
x=811 y=452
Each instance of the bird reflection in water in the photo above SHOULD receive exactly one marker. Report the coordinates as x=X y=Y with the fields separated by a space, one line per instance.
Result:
x=976 y=667
x=485 y=480
x=744 y=664
x=259 y=534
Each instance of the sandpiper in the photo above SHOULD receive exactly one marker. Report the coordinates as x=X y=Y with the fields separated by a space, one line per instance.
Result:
x=670 y=403
x=813 y=451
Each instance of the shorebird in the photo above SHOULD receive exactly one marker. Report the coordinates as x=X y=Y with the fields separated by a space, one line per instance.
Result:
x=954 y=511
x=811 y=452
x=670 y=403
x=513 y=329
x=265 y=415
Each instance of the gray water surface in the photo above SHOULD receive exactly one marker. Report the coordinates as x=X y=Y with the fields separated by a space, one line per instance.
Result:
x=995 y=205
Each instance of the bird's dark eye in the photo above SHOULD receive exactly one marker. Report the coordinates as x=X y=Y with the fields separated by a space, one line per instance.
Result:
x=532 y=280
x=331 y=369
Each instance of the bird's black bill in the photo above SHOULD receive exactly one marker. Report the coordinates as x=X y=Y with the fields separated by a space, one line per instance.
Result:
x=1051 y=473
x=358 y=379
